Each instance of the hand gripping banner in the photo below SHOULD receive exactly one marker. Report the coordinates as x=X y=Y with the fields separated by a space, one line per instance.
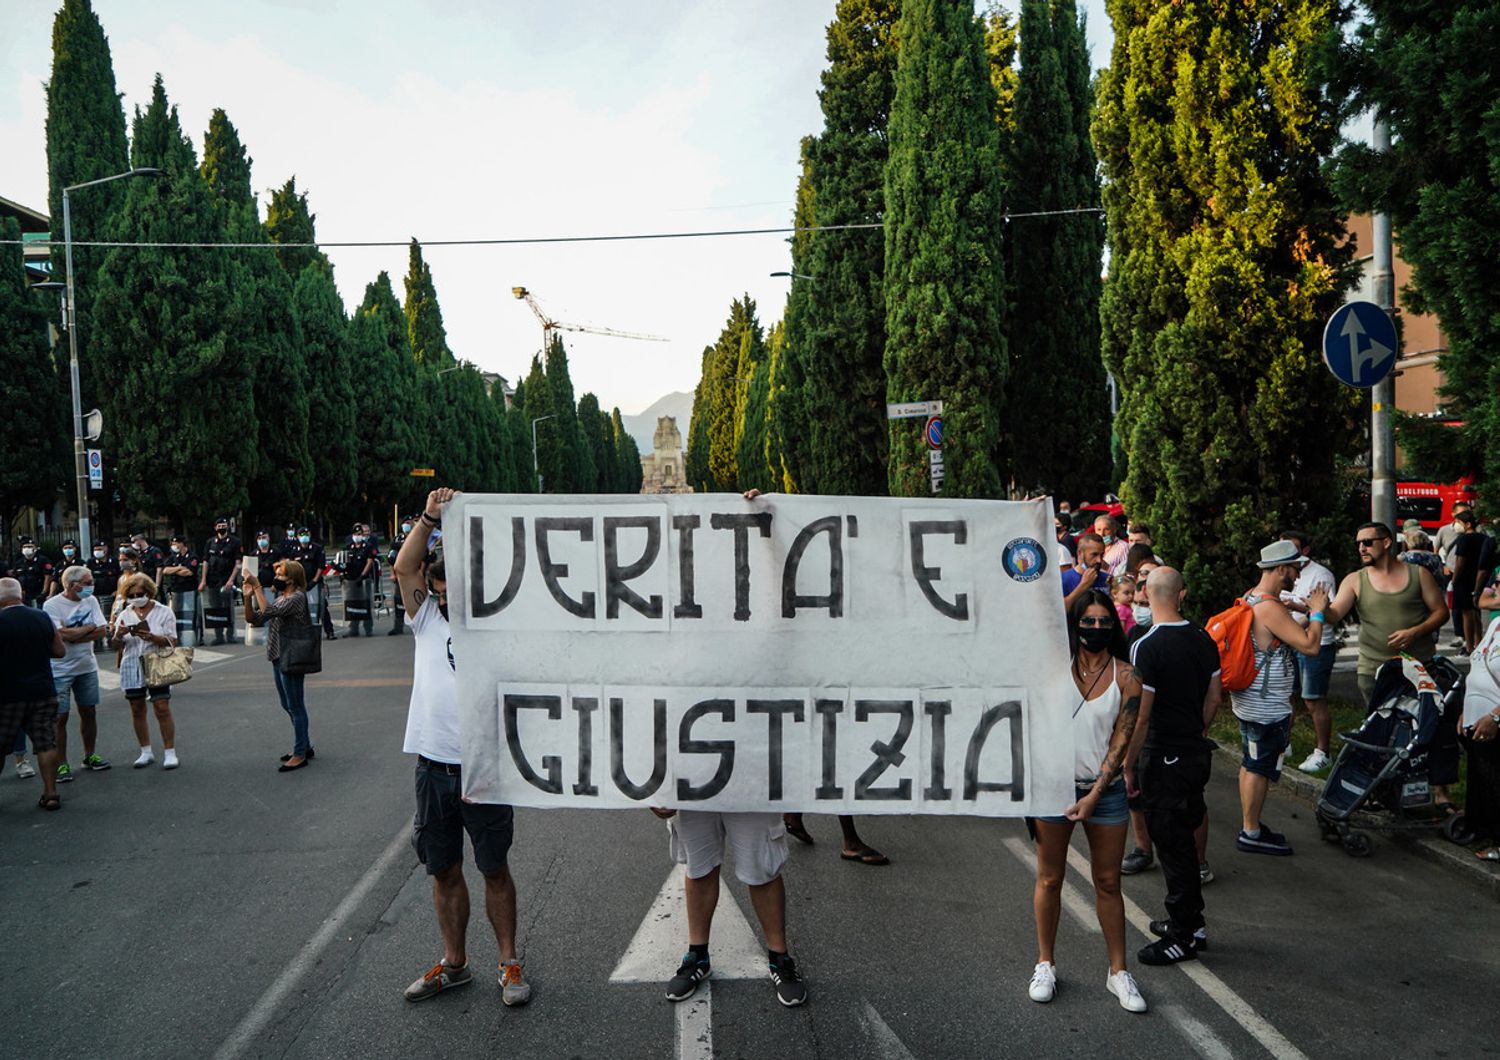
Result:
x=818 y=654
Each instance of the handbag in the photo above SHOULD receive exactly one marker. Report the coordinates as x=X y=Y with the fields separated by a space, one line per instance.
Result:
x=167 y=666
x=301 y=649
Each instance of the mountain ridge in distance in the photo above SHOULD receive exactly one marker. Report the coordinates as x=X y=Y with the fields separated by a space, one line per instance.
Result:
x=642 y=426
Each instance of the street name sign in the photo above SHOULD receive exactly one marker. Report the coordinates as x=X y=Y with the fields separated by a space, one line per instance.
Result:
x=913 y=410
x=1359 y=344
x=423 y=472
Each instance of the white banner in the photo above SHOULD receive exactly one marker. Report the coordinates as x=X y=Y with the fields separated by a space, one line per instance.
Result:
x=822 y=654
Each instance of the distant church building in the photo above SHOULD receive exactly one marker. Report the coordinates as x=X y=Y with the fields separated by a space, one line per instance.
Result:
x=661 y=469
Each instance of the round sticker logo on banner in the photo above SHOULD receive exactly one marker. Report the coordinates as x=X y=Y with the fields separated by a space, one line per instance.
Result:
x=1025 y=560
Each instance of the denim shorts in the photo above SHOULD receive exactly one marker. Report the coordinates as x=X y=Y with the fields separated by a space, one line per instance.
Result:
x=1316 y=671
x=1112 y=807
x=84 y=686
x=1264 y=746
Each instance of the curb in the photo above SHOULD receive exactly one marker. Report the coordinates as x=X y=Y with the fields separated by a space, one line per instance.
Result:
x=1456 y=860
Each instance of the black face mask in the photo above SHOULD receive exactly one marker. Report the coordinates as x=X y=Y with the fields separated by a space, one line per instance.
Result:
x=279 y=584
x=443 y=609
x=1095 y=638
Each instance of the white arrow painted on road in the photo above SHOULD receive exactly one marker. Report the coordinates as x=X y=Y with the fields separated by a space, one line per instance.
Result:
x=1359 y=359
x=662 y=939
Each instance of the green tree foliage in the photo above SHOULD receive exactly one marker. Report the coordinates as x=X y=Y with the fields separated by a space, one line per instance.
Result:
x=177 y=395
x=788 y=435
x=601 y=451
x=609 y=475
x=695 y=460
x=1060 y=445
x=1001 y=30
x=630 y=476
x=424 y=320
x=1430 y=68
x=326 y=352
x=750 y=452
x=392 y=427
x=944 y=273
x=264 y=333
x=841 y=337
x=34 y=454
x=85 y=141
x=290 y=221
x=725 y=392
x=514 y=450
x=567 y=464
x=543 y=437
x=1226 y=257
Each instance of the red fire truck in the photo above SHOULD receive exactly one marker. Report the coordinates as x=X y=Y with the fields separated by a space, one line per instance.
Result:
x=1431 y=503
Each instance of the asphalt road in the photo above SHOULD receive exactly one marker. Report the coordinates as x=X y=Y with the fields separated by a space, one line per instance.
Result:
x=225 y=909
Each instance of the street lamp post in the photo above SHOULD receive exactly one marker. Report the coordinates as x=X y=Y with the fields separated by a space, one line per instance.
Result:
x=535 y=467
x=793 y=275
x=80 y=463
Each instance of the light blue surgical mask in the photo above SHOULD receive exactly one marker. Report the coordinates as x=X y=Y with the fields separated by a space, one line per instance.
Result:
x=406 y=528
x=85 y=590
x=70 y=552
x=1141 y=613
x=303 y=539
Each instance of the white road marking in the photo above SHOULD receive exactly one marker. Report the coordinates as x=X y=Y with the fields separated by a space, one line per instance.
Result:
x=1073 y=900
x=269 y=1005
x=887 y=1045
x=1205 y=1042
x=109 y=680
x=661 y=940
x=695 y=1025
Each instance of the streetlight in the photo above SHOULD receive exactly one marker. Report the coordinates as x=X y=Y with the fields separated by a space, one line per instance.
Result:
x=793 y=275
x=80 y=464
x=535 y=468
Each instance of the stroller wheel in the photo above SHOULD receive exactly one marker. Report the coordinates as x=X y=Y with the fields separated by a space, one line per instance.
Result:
x=1357 y=845
x=1328 y=831
x=1457 y=829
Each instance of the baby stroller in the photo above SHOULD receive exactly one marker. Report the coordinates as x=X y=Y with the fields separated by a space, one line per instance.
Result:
x=1380 y=778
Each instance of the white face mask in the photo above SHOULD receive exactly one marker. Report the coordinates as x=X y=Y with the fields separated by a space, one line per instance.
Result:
x=98 y=553
x=28 y=552
x=1141 y=612
x=138 y=601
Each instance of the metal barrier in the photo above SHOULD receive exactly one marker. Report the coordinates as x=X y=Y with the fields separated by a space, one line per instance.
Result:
x=185 y=606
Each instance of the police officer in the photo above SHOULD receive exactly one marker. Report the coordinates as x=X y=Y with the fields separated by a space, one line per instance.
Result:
x=180 y=575
x=288 y=546
x=222 y=555
x=70 y=559
x=34 y=571
x=399 y=610
x=310 y=554
x=151 y=557
x=106 y=571
x=267 y=552
x=360 y=571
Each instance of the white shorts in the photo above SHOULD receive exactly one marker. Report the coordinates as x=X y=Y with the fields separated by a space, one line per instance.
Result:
x=696 y=839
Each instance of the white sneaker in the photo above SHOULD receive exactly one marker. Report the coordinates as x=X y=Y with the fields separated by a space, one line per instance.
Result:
x=1205 y=875
x=1122 y=985
x=1043 y=982
x=144 y=760
x=169 y=759
x=1315 y=761
x=25 y=770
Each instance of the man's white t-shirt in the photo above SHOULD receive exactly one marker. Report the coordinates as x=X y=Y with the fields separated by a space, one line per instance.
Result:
x=1313 y=574
x=72 y=614
x=432 y=717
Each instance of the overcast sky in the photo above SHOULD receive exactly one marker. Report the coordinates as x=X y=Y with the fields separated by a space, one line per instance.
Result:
x=474 y=119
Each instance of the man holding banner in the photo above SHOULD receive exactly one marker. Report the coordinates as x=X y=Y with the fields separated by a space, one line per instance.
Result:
x=443 y=815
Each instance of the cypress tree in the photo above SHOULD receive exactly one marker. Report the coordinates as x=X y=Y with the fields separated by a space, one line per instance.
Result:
x=34 y=452
x=944 y=274
x=843 y=332
x=289 y=220
x=567 y=464
x=1430 y=69
x=85 y=141
x=424 y=320
x=695 y=464
x=264 y=332
x=1226 y=257
x=600 y=457
x=788 y=438
x=326 y=353
x=178 y=396
x=392 y=425
x=543 y=436
x=609 y=475
x=750 y=454
x=1001 y=30
x=1055 y=261
x=631 y=474
x=725 y=392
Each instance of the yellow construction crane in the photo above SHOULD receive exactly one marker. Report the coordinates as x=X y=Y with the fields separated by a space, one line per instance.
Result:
x=549 y=325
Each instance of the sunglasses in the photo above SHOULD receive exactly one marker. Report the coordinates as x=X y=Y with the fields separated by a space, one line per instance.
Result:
x=1367 y=542
x=1094 y=622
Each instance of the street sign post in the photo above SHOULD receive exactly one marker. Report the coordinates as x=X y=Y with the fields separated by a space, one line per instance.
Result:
x=96 y=469
x=423 y=472
x=913 y=410
x=932 y=432
x=1359 y=344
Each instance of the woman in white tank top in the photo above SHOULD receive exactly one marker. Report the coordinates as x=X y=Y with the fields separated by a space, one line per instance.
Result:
x=1104 y=716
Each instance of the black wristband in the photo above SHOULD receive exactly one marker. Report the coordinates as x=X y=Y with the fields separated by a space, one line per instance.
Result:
x=430 y=521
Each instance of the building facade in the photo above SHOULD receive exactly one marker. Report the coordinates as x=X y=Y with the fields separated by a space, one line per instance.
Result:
x=661 y=469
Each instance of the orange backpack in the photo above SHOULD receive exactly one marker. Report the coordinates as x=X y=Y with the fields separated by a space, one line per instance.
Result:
x=1233 y=634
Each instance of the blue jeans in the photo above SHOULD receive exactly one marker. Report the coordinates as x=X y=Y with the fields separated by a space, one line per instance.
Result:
x=289 y=688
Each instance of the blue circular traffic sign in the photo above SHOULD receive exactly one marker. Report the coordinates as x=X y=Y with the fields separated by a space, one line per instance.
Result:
x=934 y=432
x=1360 y=345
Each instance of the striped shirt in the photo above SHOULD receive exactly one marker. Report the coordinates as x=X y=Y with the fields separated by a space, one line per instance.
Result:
x=1269 y=697
x=288 y=607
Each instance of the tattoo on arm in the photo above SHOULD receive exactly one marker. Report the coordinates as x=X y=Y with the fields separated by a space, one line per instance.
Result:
x=1120 y=741
x=417 y=596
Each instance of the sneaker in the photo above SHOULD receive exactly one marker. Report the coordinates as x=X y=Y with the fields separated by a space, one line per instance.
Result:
x=1137 y=860
x=791 y=991
x=1205 y=875
x=1162 y=929
x=692 y=972
x=95 y=764
x=440 y=978
x=169 y=759
x=1268 y=842
x=64 y=773
x=513 y=989
x=1167 y=951
x=144 y=760
x=25 y=770
x=1317 y=760
x=1043 y=982
x=1122 y=985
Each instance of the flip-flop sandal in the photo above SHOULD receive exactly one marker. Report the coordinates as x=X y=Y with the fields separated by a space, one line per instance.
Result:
x=1491 y=854
x=798 y=832
x=867 y=856
x=49 y=802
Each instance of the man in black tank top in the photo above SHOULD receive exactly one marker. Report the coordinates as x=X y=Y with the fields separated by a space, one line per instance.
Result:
x=1169 y=758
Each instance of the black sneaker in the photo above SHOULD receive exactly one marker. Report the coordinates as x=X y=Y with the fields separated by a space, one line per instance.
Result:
x=685 y=983
x=1167 y=951
x=1162 y=929
x=791 y=991
x=1268 y=842
x=1137 y=860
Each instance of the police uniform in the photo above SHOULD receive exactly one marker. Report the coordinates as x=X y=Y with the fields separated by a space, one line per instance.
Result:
x=266 y=559
x=222 y=557
x=313 y=559
x=152 y=561
x=361 y=591
x=398 y=608
x=34 y=572
x=69 y=559
x=181 y=590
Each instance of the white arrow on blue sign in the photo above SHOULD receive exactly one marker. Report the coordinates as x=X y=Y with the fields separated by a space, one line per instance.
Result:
x=1359 y=344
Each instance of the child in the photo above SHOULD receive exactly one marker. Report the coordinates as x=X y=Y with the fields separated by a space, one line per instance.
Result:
x=1122 y=591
